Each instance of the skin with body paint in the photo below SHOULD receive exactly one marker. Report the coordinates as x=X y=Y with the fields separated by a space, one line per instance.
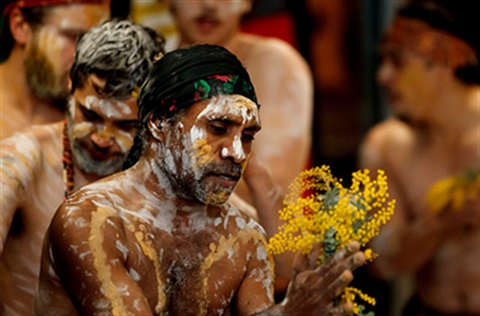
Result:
x=31 y=173
x=285 y=93
x=37 y=68
x=159 y=239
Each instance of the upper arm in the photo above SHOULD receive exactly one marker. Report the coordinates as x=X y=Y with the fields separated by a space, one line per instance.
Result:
x=256 y=290
x=91 y=268
x=20 y=157
x=284 y=87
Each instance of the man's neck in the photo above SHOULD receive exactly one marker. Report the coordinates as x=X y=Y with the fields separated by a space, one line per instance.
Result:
x=458 y=108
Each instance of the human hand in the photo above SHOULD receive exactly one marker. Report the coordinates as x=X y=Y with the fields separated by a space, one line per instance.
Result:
x=313 y=289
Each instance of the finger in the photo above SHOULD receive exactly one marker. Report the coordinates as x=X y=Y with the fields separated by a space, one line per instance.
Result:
x=350 y=252
x=300 y=262
x=342 y=309
x=314 y=255
x=330 y=287
x=307 y=262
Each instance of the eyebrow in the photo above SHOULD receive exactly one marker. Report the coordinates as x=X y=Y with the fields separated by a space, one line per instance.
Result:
x=227 y=120
x=100 y=88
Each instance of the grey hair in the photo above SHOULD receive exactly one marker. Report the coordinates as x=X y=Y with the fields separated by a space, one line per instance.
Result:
x=119 y=51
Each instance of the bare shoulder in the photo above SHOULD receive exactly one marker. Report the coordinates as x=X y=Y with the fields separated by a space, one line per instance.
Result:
x=88 y=213
x=275 y=51
x=34 y=137
x=390 y=134
x=238 y=220
x=385 y=141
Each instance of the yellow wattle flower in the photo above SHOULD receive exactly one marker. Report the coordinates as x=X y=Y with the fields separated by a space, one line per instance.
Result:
x=318 y=209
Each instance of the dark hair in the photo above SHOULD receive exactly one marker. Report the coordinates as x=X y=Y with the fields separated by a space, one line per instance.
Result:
x=119 y=51
x=33 y=16
x=459 y=18
x=183 y=77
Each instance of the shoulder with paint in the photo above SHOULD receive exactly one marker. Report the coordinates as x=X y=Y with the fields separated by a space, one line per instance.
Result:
x=32 y=147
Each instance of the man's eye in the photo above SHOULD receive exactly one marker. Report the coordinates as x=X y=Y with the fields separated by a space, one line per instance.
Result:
x=248 y=138
x=217 y=129
x=90 y=115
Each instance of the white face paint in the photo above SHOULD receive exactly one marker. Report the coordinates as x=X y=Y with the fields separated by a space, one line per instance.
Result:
x=110 y=108
x=101 y=129
x=194 y=162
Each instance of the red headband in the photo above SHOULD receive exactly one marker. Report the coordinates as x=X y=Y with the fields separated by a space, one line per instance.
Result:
x=434 y=44
x=39 y=3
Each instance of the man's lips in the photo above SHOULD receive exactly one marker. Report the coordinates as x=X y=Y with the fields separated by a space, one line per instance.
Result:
x=226 y=179
x=206 y=24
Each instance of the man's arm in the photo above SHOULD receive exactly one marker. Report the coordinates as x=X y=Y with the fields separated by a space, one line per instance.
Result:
x=284 y=88
x=20 y=157
x=268 y=198
x=104 y=285
x=312 y=290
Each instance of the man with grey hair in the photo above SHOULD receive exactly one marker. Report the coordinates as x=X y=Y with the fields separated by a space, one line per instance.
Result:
x=42 y=165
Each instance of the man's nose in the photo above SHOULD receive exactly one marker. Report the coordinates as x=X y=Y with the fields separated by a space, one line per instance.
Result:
x=102 y=138
x=234 y=150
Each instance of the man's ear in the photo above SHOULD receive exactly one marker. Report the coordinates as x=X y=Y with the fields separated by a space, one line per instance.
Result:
x=19 y=27
x=156 y=130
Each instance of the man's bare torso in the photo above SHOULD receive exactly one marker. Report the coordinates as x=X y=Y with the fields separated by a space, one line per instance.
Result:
x=450 y=280
x=185 y=264
x=39 y=170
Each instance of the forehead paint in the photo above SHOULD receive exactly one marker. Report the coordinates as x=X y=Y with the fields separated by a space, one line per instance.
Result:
x=113 y=109
x=236 y=105
x=221 y=106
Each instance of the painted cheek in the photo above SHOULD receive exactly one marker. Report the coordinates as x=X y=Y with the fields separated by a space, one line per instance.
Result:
x=56 y=49
x=203 y=153
x=71 y=108
x=82 y=129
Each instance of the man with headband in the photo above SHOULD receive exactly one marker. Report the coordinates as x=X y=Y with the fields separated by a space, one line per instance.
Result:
x=38 y=40
x=42 y=165
x=429 y=150
x=281 y=76
x=160 y=237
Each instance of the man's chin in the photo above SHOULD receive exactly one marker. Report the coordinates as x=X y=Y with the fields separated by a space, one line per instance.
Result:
x=217 y=198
